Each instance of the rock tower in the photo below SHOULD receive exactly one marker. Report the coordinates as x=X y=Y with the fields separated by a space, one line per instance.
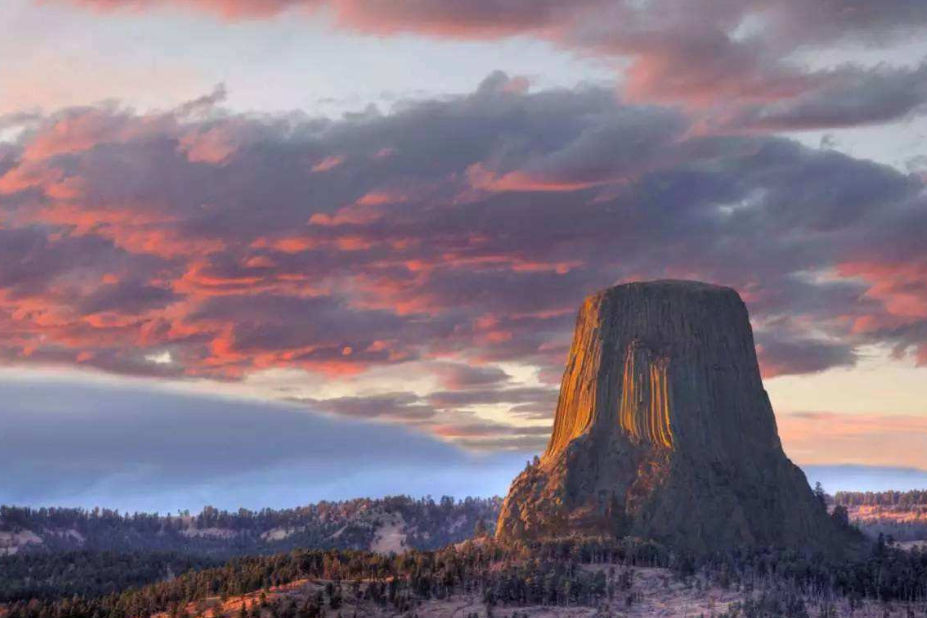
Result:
x=663 y=430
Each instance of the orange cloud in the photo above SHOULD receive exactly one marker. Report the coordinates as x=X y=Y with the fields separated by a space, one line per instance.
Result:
x=521 y=181
x=900 y=287
x=482 y=178
x=328 y=163
x=289 y=244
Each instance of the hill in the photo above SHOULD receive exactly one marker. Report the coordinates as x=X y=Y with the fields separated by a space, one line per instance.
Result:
x=901 y=515
x=385 y=525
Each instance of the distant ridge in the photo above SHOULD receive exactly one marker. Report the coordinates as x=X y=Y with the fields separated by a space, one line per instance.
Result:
x=386 y=524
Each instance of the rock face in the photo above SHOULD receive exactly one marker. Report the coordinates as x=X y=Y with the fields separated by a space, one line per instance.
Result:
x=663 y=430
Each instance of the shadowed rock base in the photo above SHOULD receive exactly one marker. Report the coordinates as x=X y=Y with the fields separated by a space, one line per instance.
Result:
x=663 y=430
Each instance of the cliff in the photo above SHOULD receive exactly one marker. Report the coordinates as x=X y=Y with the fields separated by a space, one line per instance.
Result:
x=663 y=430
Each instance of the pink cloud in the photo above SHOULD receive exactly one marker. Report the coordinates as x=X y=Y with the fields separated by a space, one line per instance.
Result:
x=482 y=178
x=214 y=145
x=124 y=234
x=328 y=163
x=898 y=286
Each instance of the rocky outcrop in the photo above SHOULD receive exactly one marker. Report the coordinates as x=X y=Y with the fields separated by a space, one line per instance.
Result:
x=663 y=430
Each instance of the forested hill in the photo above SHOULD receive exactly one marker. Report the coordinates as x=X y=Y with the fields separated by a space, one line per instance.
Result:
x=901 y=515
x=384 y=525
x=906 y=499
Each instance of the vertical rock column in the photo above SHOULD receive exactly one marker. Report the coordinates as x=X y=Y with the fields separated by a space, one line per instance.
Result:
x=663 y=430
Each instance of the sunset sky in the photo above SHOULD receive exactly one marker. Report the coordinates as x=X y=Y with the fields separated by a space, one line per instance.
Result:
x=272 y=251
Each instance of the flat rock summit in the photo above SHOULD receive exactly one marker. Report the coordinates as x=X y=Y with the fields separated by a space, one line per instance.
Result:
x=663 y=430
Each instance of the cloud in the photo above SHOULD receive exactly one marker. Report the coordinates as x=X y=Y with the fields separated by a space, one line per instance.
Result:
x=785 y=356
x=449 y=415
x=522 y=395
x=481 y=435
x=736 y=65
x=393 y=406
x=458 y=376
x=131 y=297
x=118 y=247
x=846 y=96
x=141 y=448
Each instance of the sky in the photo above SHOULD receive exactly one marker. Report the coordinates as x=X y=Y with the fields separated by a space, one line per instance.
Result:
x=351 y=237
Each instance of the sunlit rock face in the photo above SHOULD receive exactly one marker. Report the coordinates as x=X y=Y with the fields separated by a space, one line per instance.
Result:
x=663 y=430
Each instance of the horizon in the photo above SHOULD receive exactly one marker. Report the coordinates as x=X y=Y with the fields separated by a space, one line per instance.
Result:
x=265 y=254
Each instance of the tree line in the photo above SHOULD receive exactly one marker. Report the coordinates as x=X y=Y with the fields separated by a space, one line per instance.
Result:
x=429 y=524
x=503 y=575
x=905 y=499
x=88 y=573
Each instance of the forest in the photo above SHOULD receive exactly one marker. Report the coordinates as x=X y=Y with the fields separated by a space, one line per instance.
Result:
x=904 y=499
x=898 y=515
x=351 y=524
x=548 y=573
x=140 y=564
x=89 y=573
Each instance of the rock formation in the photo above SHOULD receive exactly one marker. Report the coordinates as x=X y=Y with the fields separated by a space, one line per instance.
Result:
x=663 y=430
